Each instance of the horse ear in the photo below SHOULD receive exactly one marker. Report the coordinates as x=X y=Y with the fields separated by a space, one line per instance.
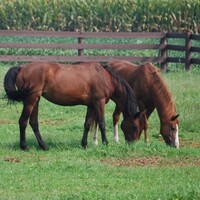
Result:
x=137 y=115
x=174 y=117
x=143 y=113
x=143 y=119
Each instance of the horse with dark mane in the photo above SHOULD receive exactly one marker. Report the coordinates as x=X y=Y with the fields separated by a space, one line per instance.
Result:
x=90 y=84
x=152 y=93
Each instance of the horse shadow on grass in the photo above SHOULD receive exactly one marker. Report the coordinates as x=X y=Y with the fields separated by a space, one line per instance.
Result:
x=52 y=145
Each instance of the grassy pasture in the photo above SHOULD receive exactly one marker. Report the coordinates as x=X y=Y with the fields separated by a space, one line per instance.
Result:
x=116 y=171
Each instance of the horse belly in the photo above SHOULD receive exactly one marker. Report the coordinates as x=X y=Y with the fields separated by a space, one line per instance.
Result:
x=70 y=87
x=66 y=97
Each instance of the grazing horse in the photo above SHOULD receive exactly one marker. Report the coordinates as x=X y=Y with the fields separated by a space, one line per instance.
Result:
x=90 y=84
x=152 y=93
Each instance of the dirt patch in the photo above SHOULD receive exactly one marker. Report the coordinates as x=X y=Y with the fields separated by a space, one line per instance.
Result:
x=192 y=145
x=182 y=162
x=189 y=143
x=11 y=160
x=28 y=157
x=195 y=145
x=53 y=122
x=153 y=162
x=150 y=161
x=5 y=121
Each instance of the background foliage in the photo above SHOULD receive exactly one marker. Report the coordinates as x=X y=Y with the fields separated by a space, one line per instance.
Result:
x=101 y=15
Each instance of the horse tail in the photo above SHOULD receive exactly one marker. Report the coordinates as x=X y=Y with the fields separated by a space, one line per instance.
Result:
x=12 y=92
x=94 y=130
x=94 y=123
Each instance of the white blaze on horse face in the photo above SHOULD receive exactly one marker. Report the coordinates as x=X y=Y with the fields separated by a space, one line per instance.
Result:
x=116 y=134
x=177 y=139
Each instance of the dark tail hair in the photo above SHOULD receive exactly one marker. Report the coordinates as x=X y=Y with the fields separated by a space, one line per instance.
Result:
x=12 y=92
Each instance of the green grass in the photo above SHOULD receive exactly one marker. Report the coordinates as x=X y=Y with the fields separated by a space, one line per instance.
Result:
x=116 y=171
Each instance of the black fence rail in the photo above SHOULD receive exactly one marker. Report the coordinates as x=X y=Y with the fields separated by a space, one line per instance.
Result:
x=161 y=48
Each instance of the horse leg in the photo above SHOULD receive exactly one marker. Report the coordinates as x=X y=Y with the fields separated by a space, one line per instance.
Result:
x=116 y=117
x=35 y=127
x=23 y=120
x=146 y=139
x=149 y=110
x=99 y=113
x=88 y=121
x=145 y=121
x=103 y=132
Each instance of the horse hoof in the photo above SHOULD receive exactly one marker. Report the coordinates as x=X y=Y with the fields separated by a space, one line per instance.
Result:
x=105 y=143
x=24 y=147
x=44 y=148
x=84 y=146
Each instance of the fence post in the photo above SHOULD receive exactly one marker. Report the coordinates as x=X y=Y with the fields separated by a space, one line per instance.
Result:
x=80 y=41
x=188 y=45
x=163 y=52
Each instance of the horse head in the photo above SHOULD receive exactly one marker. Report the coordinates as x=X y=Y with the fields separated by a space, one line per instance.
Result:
x=169 y=131
x=133 y=127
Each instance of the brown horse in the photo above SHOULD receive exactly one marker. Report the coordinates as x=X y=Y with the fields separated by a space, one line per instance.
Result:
x=90 y=84
x=152 y=93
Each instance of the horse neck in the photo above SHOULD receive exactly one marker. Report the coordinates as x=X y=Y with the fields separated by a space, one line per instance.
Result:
x=163 y=100
x=165 y=110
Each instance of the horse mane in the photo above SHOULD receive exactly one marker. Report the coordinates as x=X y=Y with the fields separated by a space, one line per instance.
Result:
x=131 y=103
x=160 y=89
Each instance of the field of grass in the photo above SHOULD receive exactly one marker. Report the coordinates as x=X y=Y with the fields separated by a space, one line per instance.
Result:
x=117 y=171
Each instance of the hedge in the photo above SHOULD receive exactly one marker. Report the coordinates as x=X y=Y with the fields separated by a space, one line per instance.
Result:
x=101 y=15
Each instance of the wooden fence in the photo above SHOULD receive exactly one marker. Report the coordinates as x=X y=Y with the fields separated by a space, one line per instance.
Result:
x=162 y=48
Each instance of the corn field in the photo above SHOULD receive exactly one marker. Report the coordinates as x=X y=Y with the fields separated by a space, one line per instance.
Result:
x=101 y=15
